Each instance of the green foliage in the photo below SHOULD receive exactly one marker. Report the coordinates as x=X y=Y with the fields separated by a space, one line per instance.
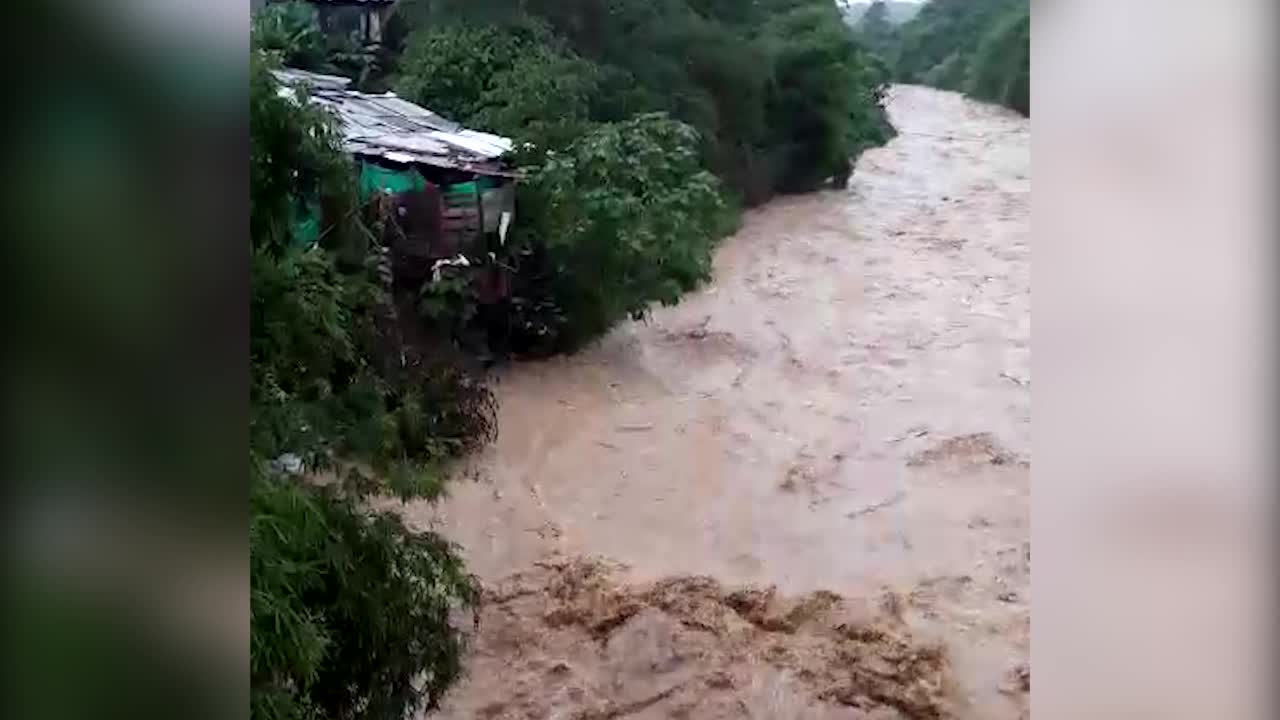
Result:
x=981 y=47
x=451 y=68
x=949 y=74
x=943 y=28
x=726 y=68
x=825 y=101
x=291 y=32
x=349 y=612
x=877 y=32
x=1001 y=68
x=511 y=81
x=625 y=217
x=292 y=163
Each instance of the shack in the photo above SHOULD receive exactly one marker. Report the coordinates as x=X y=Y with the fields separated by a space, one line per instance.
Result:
x=446 y=191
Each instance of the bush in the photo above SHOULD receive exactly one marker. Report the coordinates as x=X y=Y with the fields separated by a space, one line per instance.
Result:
x=625 y=216
x=348 y=611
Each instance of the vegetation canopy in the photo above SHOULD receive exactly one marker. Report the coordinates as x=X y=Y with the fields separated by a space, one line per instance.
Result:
x=979 y=47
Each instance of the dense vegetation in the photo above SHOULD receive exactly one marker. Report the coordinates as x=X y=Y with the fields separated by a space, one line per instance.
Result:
x=290 y=31
x=779 y=92
x=877 y=29
x=643 y=126
x=1001 y=67
x=350 y=610
x=728 y=103
x=622 y=217
x=979 y=47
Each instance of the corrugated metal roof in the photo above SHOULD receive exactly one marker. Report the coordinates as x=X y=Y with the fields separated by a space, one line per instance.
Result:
x=397 y=130
x=290 y=76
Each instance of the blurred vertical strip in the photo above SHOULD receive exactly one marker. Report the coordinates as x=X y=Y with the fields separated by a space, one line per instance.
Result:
x=126 y=189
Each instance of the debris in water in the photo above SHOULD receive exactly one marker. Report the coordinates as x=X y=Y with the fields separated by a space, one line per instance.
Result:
x=912 y=432
x=1015 y=380
x=979 y=522
x=976 y=447
x=894 y=500
x=1019 y=680
x=568 y=640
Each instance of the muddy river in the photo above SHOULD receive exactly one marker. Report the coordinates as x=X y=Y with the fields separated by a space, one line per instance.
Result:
x=843 y=415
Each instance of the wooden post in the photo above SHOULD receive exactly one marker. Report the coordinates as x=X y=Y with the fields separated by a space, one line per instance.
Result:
x=480 y=211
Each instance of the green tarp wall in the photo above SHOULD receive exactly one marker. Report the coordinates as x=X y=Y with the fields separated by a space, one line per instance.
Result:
x=374 y=178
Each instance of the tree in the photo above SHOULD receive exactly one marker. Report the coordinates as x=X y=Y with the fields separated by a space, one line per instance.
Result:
x=943 y=28
x=626 y=217
x=875 y=29
x=513 y=82
x=981 y=47
x=824 y=105
x=950 y=74
x=291 y=31
x=1001 y=67
x=720 y=66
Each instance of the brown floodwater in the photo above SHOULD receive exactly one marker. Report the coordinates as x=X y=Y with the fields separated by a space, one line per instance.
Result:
x=845 y=407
